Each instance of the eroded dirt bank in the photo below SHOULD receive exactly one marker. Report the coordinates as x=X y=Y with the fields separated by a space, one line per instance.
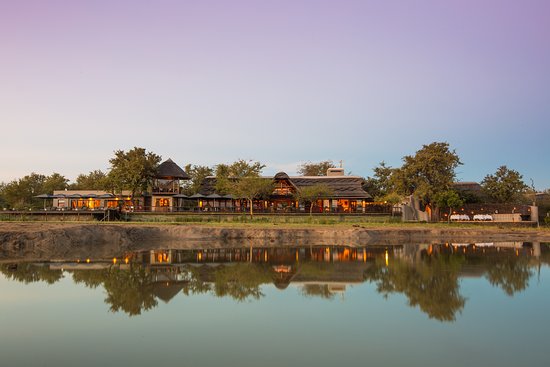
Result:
x=51 y=241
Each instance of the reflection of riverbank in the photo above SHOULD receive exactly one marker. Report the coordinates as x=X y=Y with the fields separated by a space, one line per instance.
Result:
x=428 y=275
x=34 y=241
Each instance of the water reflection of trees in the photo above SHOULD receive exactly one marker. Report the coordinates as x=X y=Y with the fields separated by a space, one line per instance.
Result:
x=30 y=273
x=510 y=274
x=129 y=290
x=317 y=290
x=431 y=284
x=241 y=281
x=429 y=279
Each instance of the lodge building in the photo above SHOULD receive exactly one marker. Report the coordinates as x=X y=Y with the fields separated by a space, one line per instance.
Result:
x=166 y=195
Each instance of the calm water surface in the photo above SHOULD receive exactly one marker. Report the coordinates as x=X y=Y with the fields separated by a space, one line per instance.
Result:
x=414 y=305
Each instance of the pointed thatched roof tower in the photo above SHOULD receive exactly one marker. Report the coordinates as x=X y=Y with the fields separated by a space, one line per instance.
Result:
x=171 y=171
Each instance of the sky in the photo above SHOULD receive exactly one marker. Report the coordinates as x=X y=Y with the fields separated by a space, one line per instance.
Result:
x=282 y=82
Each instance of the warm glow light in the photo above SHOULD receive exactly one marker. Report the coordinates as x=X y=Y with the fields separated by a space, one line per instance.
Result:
x=114 y=260
x=200 y=256
x=387 y=258
x=364 y=255
x=126 y=260
x=88 y=261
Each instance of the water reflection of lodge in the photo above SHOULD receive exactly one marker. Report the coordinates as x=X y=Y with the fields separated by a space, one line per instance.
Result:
x=339 y=266
x=333 y=267
x=167 y=193
x=274 y=256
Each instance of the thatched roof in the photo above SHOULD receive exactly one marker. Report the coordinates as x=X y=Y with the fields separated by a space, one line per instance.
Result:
x=342 y=187
x=348 y=187
x=169 y=169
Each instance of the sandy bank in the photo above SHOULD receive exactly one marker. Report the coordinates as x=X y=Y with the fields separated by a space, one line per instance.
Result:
x=48 y=240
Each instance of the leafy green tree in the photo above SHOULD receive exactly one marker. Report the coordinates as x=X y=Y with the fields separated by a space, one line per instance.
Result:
x=381 y=183
x=228 y=174
x=54 y=182
x=94 y=180
x=430 y=171
x=315 y=169
x=133 y=170
x=197 y=174
x=242 y=180
x=3 y=203
x=505 y=186
x=251 y=188
x=448 y=199
x=310 y=194
x=21 y=193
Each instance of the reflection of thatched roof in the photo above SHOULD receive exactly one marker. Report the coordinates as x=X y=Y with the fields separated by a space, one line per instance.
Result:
x=283 y=275
x=166 y=291
x=169 y=169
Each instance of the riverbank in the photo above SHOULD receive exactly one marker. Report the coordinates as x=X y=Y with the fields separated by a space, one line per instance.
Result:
x=49 y=240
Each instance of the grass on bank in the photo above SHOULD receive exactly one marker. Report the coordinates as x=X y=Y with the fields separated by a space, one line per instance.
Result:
x=260 y=221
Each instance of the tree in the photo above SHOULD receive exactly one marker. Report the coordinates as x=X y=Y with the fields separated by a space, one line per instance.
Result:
x=430 y=171
x=315 y=169
x=3 y=202
x=133 y=170
x=197 y=174
x=54 y=182
x=242 y=180
x=227 y=175
x=310 y=194
x=21 y=193
x=381 y=183
x=250 y=188
x=505 y=186
x=95 y=180
x=450 y=199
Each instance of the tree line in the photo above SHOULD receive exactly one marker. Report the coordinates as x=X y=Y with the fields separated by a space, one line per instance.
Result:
x=429 y=175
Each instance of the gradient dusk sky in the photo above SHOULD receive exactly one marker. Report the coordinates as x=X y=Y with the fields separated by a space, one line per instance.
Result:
x=282 y=82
